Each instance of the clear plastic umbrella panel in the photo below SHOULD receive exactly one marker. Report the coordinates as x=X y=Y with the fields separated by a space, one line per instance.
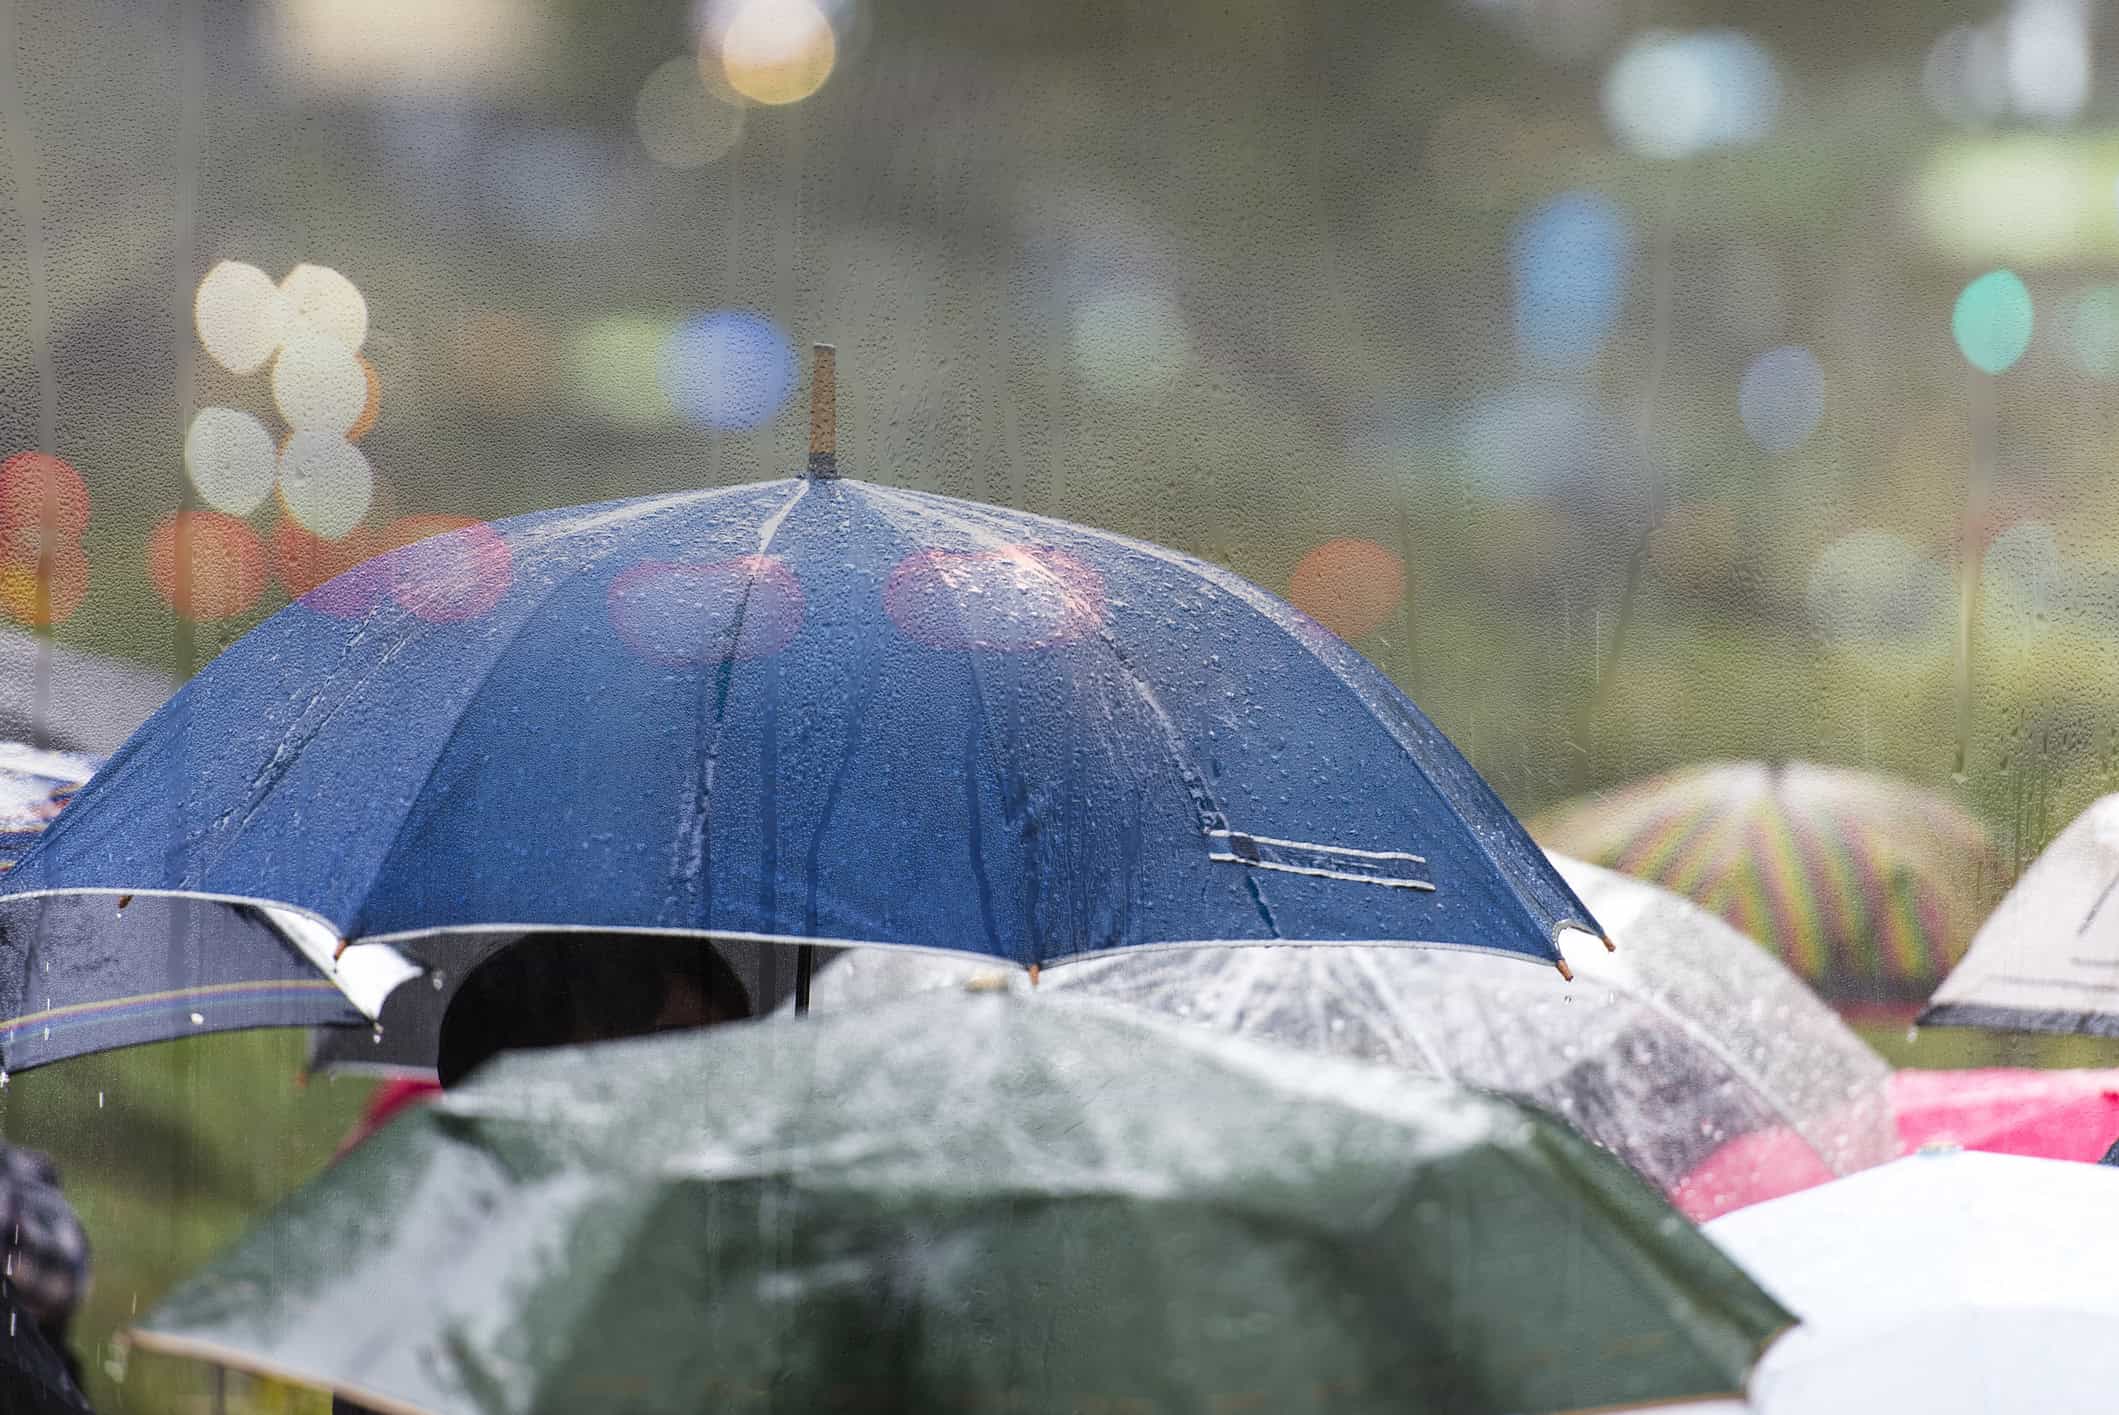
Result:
x=1670 y=1052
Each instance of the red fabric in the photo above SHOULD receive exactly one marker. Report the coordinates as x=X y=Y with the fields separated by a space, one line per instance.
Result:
x=2066 y=1115
x=2056 y=1115
x=389 y=1098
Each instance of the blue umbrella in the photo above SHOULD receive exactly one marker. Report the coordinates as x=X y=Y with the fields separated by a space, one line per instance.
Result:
x=810 y=711
x=78 y=974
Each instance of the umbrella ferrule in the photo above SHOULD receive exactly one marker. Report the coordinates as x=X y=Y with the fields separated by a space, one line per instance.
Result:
x=824 y=414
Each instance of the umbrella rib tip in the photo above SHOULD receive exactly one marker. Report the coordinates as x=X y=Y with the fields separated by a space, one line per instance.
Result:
x=1609 y=946
x=1566 y=972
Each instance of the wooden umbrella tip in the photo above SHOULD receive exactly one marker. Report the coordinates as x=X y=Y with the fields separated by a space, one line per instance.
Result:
x=1565 y=972
x=1609 y=946
x=824 y=413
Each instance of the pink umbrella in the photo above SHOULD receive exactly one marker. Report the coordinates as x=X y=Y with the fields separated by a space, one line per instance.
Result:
x=2069 y=1115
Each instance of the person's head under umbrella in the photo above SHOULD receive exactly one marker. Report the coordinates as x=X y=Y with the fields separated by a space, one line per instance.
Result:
x=566 y=989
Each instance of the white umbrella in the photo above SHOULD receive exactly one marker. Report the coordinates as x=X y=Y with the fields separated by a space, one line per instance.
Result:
x=2048 y=958
x=1943 y=1283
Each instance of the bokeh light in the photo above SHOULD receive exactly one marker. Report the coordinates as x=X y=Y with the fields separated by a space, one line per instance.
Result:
x=1571 y=258
x=614 y=365
x=325 y=483
x=1965 y=75
x=319 y=300
x=681 y=122
x=777 y=51
x=1874 y=585
x=1131 y=342
x=1673 y=95
x=727 y=369
x=230 y=459
x=1781 y=397
x=690 y=614
x=2047 y=48
x=1349 y=585
x=241 y=316
x=447 y=569
x=307 y=563
x=223 y=558
x=1545 y=439
x=1992 y=321
x=2093 y=331
x=37 y=485
x=318 y=385
x=39 y=591
x=2034 y=198
x=1014 y=599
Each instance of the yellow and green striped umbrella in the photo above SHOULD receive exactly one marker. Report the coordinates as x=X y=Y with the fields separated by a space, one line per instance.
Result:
x=1868 y=887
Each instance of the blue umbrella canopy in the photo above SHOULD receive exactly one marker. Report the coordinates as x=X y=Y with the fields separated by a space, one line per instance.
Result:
x=79 y=974
x=810 y=710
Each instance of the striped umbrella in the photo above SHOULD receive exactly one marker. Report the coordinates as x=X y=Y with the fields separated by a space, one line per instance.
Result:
x=34 y=784
x=1868 y=887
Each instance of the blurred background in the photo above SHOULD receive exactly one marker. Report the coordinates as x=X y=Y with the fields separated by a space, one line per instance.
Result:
x=1637 y=382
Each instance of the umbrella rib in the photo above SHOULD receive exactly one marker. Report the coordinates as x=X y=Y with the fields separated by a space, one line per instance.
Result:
x=694 y=834
x=1207 y=810
x=522 y=627
x=1266 y=607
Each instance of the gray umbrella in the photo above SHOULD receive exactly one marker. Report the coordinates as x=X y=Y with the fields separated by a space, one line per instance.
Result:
x=70 y=699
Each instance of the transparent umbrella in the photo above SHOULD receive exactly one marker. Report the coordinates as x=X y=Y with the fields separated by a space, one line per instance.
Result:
x=1669 y=1052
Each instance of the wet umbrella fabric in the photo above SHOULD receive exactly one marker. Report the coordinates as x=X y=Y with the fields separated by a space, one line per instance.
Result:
x=972 y=1201
x=78 y=974
x=1686 y=1039
x=1944 y=1282
x=1867 y=887
x=805 y=711
x=2044 y=961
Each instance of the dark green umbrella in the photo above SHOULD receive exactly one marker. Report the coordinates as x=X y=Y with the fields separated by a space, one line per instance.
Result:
x=968 y=1202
